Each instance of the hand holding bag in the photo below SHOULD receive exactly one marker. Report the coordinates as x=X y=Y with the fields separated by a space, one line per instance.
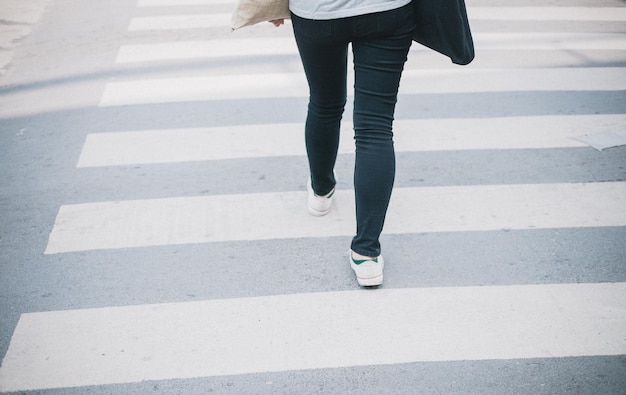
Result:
x=250 y=12
x=442 y=25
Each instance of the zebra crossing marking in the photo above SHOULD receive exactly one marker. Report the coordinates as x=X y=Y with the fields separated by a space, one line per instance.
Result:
x=255 y=141
x=171 y=3
x=238 y=47
x=125 y=344
x=110 y=345
x=549 y=41
x=206 y=49
x=213 y=20
x=219 y=218
x=289 y=85
x=179 y=22
x=547 y=13
x=475 y=13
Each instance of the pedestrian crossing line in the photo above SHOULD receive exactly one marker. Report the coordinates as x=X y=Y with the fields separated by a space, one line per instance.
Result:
x=255 y=141
x=218 y=48
x=172 y=3
x=245 y=217
x=475 y=13
x=290 y=85
x=127 y=344
x=190 y=89
x=547 y=13
x=212 y=20
x=548 y=41
x=206 y=49
x=286 y=45
x=179 y=22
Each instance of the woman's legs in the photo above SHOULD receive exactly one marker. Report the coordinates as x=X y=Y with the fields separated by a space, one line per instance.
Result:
x=380 y=44
x=378 y=62
x=324 y=58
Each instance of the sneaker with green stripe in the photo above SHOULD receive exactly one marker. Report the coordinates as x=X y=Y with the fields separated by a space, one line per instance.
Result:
x=369 y=272
x=319 y=205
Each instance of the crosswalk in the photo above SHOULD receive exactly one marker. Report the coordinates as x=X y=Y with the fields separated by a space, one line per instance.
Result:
x=132 y=53
x=345 y=327
x=108 y=225
x=276 y=334
x=250 y=86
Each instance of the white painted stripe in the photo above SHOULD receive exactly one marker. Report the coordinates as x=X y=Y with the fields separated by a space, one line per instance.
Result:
x=179 y=22
x=313 y=331
x=547 y=13
x=206 y=49
x=199 y=21
x=474 y=12
x=173 y=3
x=285 y=85
x=286 y=45
x=204 y=88
x=254 y=141
x=204 y=219
x=549 y=41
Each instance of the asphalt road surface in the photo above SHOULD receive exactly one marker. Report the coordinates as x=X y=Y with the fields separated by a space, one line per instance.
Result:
x=154 y=236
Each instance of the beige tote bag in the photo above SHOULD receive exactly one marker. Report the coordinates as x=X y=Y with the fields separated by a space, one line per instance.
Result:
x=250 y=12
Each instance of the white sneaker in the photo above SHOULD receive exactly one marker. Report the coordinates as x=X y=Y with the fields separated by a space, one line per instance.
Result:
x=319 y=205
x=369 y=273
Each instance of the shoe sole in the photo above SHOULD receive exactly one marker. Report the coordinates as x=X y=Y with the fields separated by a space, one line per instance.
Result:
x=312 y=211
x=370 y=282
x=366 y=281
x=317 y=213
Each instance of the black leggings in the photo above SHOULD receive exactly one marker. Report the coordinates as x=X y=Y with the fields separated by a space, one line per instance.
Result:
x=380 y=44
